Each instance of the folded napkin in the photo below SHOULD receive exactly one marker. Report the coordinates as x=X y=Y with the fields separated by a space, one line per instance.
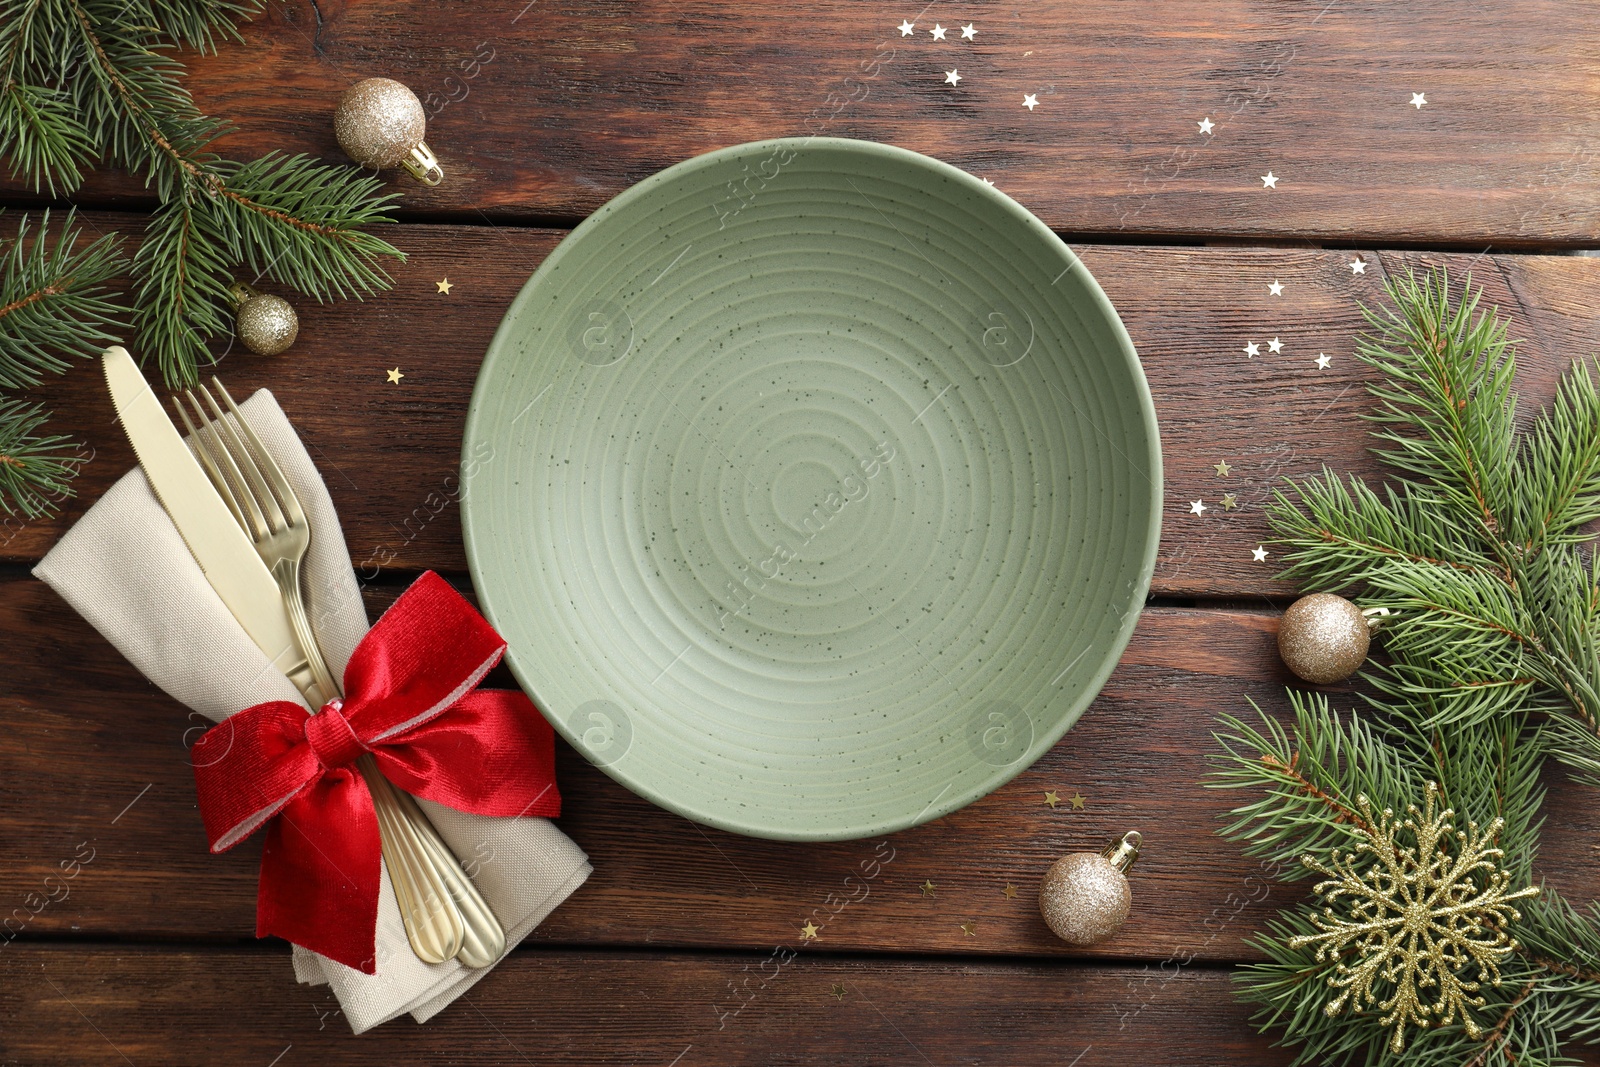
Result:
x=124 y=568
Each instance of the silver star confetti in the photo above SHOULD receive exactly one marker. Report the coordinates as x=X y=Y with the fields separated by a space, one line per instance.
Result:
x=937 y=31
x=968 y=32
x=1251 y=350
x=1258 y=554
x=1206 y=125
x=1323 y=361
x=1030 y=101
x=1358 y=266
x=1274 y=345
x=951 y=77
x=1269 y=180
x=906 y=28
x=1197 y=507
x=1276 y=288
x=1417 y=100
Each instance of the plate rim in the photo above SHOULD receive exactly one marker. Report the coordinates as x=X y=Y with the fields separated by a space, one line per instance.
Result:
x=1045 y=740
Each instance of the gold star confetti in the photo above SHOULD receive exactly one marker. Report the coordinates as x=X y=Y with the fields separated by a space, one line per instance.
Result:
x=808 y=932
x=928 y=889
x=1052 y=799
x=838 y=991
x=445 y=286
x=395 y=375
x=1076 y=800
x=967 y=928
x=1229 y=502
x=1011 y=891
x=1222 y=468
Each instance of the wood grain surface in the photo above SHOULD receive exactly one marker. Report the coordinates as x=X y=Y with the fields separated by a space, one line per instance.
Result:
x=390 y=453
x=77 y=1005
x=545 y=111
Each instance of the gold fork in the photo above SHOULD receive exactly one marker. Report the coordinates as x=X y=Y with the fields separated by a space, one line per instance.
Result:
x=444 y=915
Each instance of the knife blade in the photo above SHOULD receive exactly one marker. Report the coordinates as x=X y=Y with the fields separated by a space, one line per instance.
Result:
x=215 y=539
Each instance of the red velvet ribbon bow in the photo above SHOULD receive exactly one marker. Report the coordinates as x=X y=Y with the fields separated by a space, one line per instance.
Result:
x=411 y=701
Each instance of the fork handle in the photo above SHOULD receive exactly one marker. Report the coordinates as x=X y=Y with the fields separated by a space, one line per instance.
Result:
x=441 y=896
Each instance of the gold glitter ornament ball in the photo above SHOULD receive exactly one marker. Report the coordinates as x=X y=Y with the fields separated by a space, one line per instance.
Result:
x=1323 y=638
x=266 y=324
x=380 y=123
x=1084 y=897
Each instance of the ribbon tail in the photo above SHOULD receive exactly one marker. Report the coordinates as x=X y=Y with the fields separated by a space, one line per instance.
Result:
x=321 y=872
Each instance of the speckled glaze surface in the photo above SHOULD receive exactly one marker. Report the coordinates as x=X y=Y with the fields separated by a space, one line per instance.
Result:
x=815 y=486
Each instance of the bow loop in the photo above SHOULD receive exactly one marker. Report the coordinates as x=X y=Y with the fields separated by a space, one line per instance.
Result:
x=411 y=699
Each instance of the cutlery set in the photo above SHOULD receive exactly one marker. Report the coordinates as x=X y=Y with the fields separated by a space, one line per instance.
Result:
x=244 y=525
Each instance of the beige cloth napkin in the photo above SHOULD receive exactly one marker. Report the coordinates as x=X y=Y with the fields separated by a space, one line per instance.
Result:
x=125 y=569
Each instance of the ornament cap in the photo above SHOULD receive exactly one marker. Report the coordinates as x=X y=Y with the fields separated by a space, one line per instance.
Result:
x=240 y=293
x=1123 y=852
x=423 y=165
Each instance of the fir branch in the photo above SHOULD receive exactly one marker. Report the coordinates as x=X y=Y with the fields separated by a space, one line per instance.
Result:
x=35 y=469
x=55 y=299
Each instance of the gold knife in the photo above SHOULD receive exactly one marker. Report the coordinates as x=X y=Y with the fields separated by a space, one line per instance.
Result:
x=214 y=537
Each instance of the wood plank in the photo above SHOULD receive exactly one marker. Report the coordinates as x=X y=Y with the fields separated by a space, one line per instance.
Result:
x=581 y=100
x=95 y=754
x=390 y=452
x=81 y=1004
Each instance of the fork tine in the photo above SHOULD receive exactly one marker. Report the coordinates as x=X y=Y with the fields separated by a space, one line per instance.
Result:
x=256 y=524
x=240 y=454
x=203 y=447
x=269 y=467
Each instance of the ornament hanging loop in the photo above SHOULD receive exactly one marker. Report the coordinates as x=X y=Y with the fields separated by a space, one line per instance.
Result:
x=423 y=165
x=1375 y=616
x=1123 y=852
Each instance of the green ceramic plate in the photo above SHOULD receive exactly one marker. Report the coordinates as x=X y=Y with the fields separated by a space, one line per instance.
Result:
x=815 y=486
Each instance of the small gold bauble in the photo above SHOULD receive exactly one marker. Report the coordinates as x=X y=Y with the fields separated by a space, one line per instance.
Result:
x=1084 y=897
x=266 y=324
x=1323 y=638
x=380 y=123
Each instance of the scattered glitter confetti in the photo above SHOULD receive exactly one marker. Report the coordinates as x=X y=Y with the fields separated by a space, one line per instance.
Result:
x=1251 y=349
x=1052 y=799
x=968 y=32
x=1323 y=361
x=1269 y=180
x=838 y=991
x=967 y=928
x=1076 y=800
x=1197 y=507
x=951 y=77
x=1358 y=266
x=1258 y=554
x=395 y=375
x=937 y=31
x=445 y=286
x=1222 y=468
x=1417 y=100
x=906 y=28
x=1229 y=501
x=1274 y=345
x=928 y=889
x=1276 y=288
x=1206 y=125
x=989 y=183
x=808 y=932
x=1030 y=101
x=1011 y=891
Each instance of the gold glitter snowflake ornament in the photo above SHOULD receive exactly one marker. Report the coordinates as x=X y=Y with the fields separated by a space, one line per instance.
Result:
x=1412 y=921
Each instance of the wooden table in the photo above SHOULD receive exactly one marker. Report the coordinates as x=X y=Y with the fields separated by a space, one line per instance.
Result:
x=659 y=958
